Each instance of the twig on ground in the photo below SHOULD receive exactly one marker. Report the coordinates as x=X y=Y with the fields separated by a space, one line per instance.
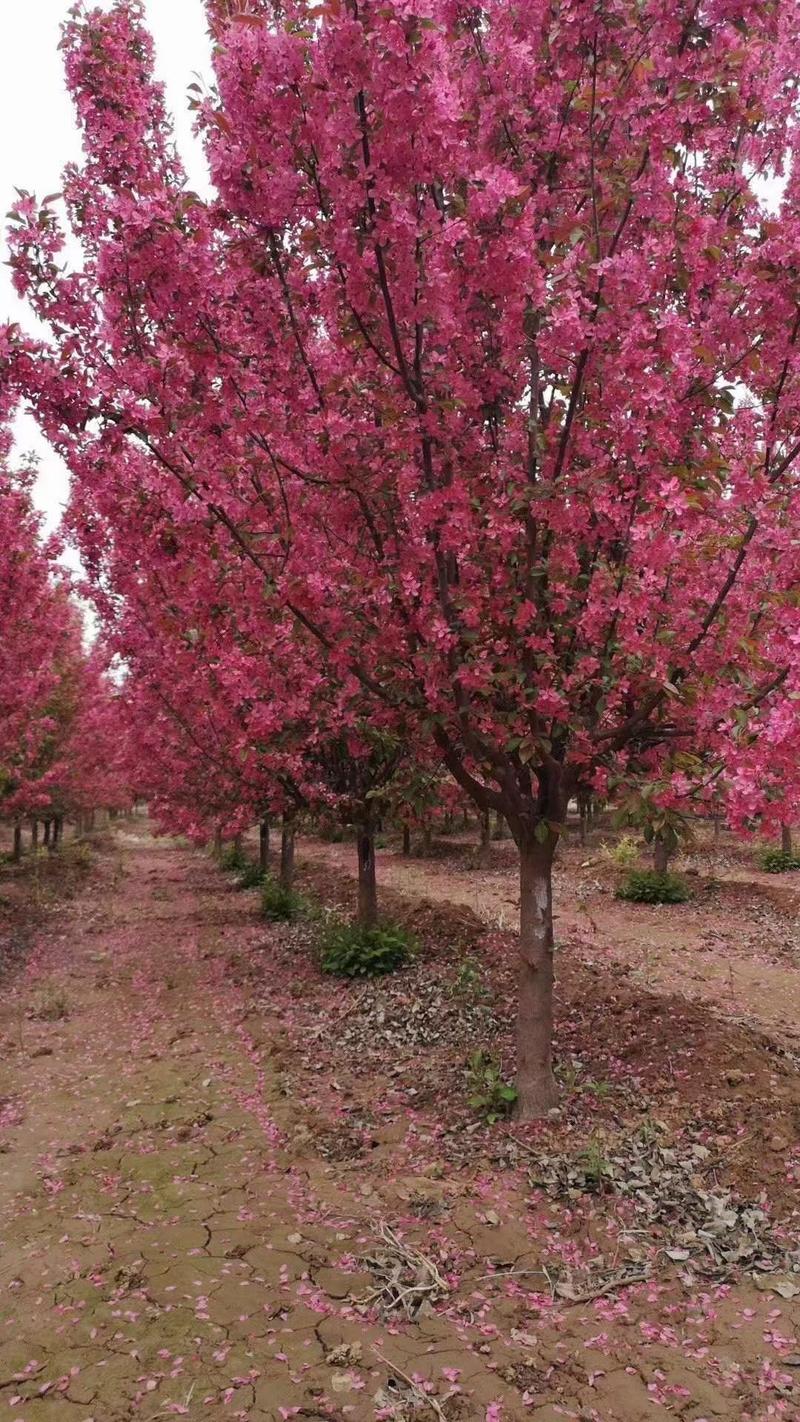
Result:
x=416 y=1390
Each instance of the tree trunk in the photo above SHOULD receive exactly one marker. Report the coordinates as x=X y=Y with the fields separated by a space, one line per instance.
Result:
x=58 y=831
x=34 y=835
x=287 y=852
x=536 y=1084
x=660 y=854
x=406 y=840
x=46 y=840
x=16 y=853
x=218 y=842
x=427 y=839
x=367 y=886
x=786 y=839
x=263 y=845
x=486 y=837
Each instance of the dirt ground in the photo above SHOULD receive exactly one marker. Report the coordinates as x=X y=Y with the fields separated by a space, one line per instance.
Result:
x=230 y=1188
x=735 y=947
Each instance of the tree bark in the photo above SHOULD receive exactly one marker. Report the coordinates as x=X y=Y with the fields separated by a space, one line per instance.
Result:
x=217 y=842
x=34 y=835
x=786 y=839
x=16 y=853
x=536 y=1084
x=263 y=845
x=427 y=839
x=660 y=854
x=46 y=839
x=287 y=852
x=58 y=831
x=367 y=885
x=406 y=841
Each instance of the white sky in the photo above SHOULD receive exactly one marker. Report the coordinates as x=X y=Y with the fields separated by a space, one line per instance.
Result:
x=39 y=138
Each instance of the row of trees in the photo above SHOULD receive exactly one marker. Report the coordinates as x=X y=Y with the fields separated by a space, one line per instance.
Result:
x=59 y=724
x=458 y=429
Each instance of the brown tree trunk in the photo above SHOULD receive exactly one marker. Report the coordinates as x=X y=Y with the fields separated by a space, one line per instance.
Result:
x=406 y=840
x=263 y=845
x=46 y=840
x=427 y=839
x=34 y=835
x=58 y=831
x=660 y=854
x=486 y=837
x=367 y=885
x=536 y=1084
x=786 y=839
x=16 y=853
x=287 y=852
x=218 y=842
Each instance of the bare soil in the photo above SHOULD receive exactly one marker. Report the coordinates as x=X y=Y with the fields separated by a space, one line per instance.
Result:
x=233 y=1188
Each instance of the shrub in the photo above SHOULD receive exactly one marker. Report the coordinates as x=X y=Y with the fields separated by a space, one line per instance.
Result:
x=645 y=886
x=490 y=1094
x=349 y=950
x=779 y=861
x=279 y=904
x=251 y=876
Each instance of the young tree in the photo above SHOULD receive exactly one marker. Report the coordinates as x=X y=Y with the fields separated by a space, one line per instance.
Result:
x=484 y=361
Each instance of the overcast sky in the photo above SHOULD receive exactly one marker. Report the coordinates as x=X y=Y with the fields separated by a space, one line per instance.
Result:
x=39 y=137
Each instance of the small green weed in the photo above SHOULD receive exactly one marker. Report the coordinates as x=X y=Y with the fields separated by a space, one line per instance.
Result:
x=279 y=904
x=250 y=876
x=624 y=854
x=595 y=1166
x=349 y=950
x=490 y=1094
x=645 y=886
x=232 y=859
x=468 y=982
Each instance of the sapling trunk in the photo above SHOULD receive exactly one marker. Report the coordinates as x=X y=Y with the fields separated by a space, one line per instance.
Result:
x=287 y=852
x=660 y=854
x=406 y=840
x=367 y=884
x=786 y=839
x=35 y=834
x=17 y=850
x=486 y=837
x=536 y=1084
x=263 y=846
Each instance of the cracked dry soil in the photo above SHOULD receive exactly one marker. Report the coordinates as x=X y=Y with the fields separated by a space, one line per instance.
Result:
x=167 y=1248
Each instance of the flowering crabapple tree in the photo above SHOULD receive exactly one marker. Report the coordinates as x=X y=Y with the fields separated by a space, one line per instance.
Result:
x=59 y=732
x=483 y=358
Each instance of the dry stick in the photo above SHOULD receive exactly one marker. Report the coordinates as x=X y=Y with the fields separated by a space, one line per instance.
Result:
x=417 y=1391
x=608 y=1288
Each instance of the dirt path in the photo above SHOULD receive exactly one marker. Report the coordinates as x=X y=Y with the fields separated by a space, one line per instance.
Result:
x=735 y=947
x=174 y=1245
x=162 y=1254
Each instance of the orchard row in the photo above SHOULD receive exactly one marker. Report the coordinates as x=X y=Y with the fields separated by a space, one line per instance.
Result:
x=455 y=432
